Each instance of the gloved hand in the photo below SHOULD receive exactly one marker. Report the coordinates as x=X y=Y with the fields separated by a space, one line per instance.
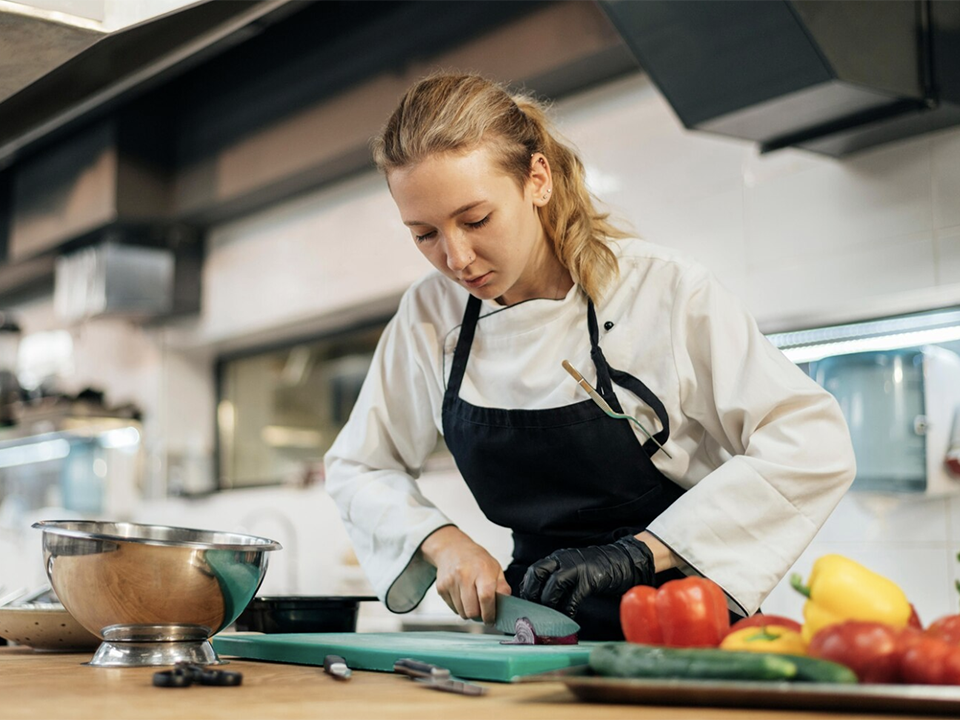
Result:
x=564 y=578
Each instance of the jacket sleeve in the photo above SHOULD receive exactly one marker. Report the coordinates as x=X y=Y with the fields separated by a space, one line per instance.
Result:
x=372 y=468
x=788 y=454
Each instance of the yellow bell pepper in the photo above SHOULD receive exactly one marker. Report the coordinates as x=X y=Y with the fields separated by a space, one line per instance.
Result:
x=767 y=639
x=841 y=589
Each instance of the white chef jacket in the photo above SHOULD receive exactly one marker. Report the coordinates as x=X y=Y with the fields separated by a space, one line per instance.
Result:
x=762 y=450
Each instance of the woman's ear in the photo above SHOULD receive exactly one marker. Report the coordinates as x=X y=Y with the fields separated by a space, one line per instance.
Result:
x=540 y=182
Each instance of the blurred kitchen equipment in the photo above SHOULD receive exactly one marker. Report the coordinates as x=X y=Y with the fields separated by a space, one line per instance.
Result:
x=10 y=597
x=952 y=459
x=301 y=614
x=45 y=360
x=10 y=391
x=87 y=465
x=154 y=593
x=45 y=626
x=899 y=405
x=22 y=597
x=602 y=404
x=36 y=618
x=112 y=279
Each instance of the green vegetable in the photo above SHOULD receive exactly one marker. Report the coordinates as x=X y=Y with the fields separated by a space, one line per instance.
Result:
x=822 y=671
x=630 y=660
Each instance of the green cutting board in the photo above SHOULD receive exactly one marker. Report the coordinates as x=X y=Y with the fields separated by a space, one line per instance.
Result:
x=465 y=655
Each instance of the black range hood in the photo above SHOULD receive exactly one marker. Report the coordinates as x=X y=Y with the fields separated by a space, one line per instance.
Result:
x=830 y=76
x=101 y=71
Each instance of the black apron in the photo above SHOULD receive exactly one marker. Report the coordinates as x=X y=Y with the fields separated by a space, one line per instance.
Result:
x=561 y=477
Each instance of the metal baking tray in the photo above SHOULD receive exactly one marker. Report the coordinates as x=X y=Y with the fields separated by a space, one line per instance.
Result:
x=899 y=699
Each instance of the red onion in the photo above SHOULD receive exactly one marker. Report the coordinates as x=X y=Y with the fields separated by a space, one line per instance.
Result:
x=526 y=635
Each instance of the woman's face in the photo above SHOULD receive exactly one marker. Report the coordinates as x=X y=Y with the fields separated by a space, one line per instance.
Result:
x=476 y=225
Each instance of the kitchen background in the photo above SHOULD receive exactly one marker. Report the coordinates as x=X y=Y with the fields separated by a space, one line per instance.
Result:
x=293 y=290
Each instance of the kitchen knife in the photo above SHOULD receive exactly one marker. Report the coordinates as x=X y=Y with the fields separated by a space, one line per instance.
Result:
x=337 y=667
x=546 y=622
x=455 y=686
x=418 y=669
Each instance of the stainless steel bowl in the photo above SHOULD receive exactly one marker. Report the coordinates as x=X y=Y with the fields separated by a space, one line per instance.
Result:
x=154 y=593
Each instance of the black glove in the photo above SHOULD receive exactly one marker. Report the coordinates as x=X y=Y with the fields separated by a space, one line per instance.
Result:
x=564 y=578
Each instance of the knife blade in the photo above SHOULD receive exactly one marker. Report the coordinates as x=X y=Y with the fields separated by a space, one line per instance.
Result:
x=546 y=622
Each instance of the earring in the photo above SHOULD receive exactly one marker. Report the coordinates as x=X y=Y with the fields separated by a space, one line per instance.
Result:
x=549 y=190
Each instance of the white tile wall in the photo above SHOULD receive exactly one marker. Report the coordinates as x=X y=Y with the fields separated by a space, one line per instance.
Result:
x=667 y=184
x=849 y=275
x=888 y=520
x=948 y=254
x=312 y=256
x=801 y=238
x=945 y=151
x=838 y=205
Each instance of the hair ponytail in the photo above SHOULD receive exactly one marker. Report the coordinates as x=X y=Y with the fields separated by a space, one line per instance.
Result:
x=456 y=113
x=580 y=233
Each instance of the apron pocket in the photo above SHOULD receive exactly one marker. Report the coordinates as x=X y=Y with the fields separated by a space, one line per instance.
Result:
x=632 y=512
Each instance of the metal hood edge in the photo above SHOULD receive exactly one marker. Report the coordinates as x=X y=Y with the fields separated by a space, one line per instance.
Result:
x=832 y=77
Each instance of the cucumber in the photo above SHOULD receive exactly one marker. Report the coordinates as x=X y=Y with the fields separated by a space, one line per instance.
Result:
x=821 y=671
x=630 y=660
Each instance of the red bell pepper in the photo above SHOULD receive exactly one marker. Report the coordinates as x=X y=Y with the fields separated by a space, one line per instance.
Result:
x=871 y=649
x=681 y=613
x=929 y=660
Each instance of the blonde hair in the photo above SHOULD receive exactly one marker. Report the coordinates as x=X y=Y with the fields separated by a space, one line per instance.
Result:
x=457 y=113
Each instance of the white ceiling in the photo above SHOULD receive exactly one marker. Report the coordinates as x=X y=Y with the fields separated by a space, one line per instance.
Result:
x=100 y=15
x=40 y=35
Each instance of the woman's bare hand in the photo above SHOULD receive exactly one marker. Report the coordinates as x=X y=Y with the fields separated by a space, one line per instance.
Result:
x=468 y=577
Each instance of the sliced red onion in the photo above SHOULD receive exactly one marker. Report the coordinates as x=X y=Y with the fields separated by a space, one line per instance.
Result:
x=557 y=639
x=526 y=635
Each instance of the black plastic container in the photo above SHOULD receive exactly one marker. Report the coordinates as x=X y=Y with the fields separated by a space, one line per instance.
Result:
x=301 y=614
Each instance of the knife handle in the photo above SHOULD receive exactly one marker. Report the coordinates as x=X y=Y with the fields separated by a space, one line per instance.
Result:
x=337 y=667
x=454 y=686
x=420 y=669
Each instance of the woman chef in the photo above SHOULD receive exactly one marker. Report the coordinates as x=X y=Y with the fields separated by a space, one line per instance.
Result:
x=747 y=456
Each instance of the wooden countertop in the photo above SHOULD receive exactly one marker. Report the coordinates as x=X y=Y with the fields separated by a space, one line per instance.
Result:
x=58 y=685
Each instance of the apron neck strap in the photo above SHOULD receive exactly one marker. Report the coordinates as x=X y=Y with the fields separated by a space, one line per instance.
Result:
x=465 y=341
x=604 y=386
x=606 y=375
